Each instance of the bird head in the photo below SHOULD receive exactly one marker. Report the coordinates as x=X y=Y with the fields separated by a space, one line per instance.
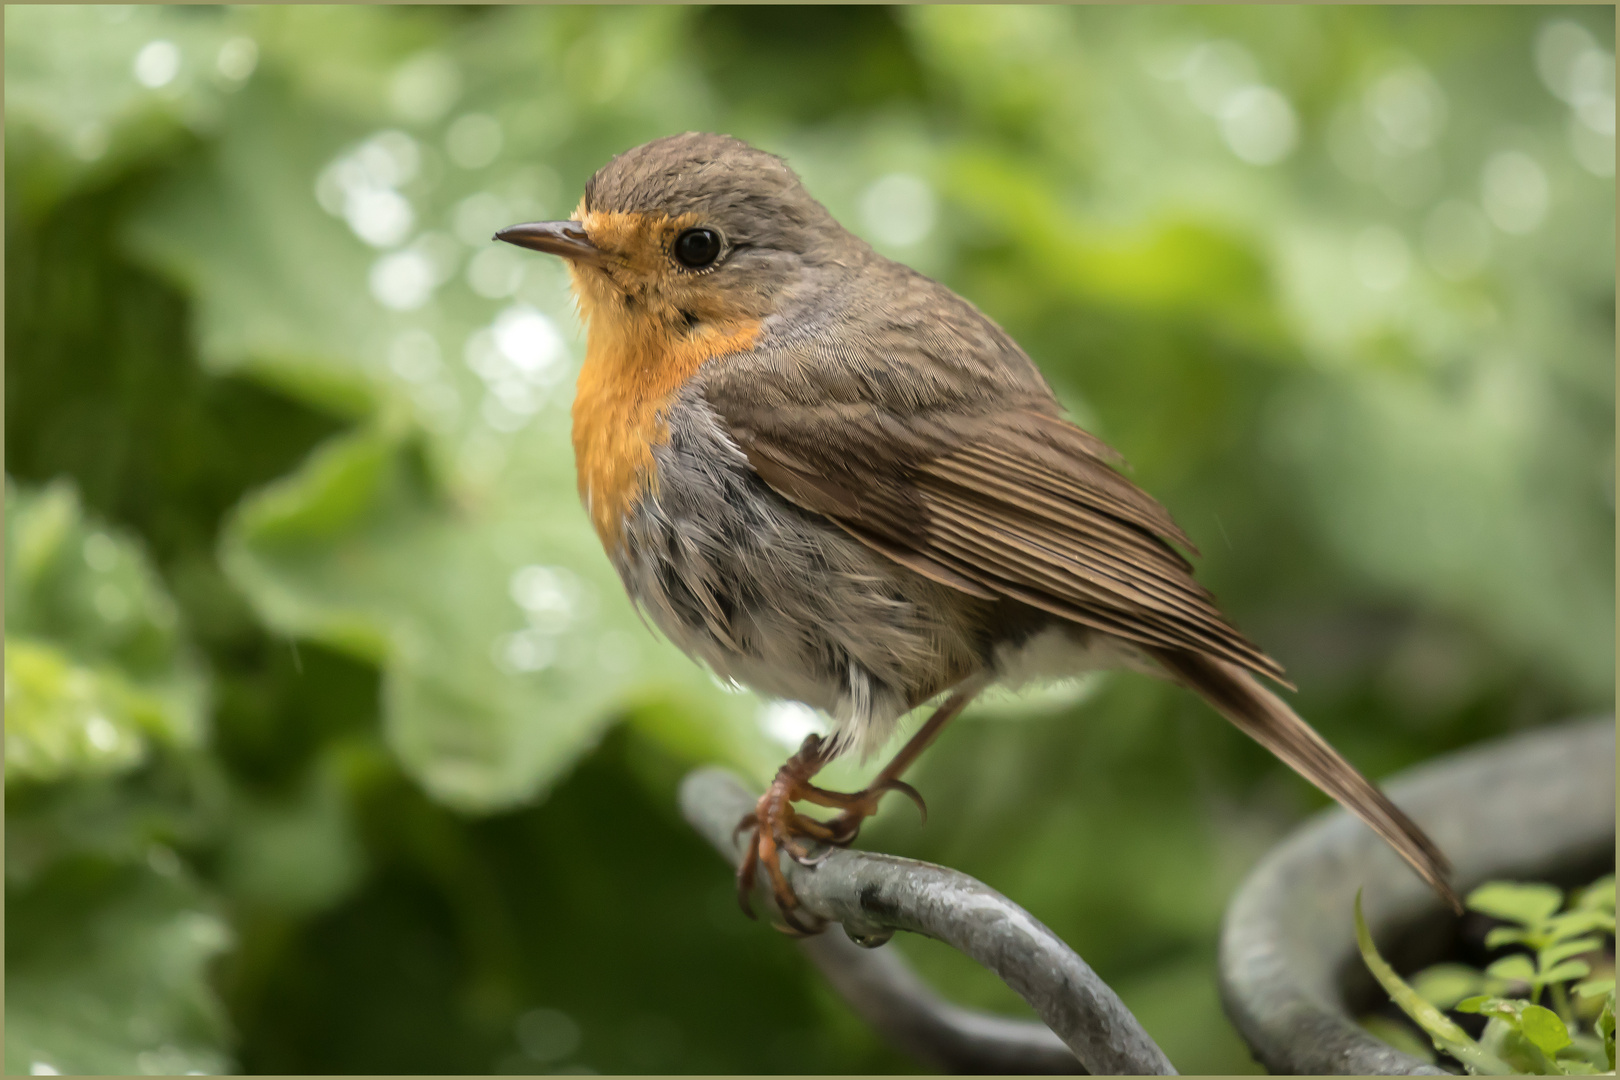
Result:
x=689 y=232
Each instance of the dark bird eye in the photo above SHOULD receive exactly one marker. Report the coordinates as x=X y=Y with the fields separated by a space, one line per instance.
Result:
x=697 y=248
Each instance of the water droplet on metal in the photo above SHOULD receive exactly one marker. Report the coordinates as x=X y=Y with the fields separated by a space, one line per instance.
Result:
x=869 y=939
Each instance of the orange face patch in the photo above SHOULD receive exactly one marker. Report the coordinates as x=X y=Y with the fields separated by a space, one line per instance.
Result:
x=637 y=358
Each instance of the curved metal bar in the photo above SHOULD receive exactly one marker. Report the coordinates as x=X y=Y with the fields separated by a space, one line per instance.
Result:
x=1514 y=808
x=874 y=895
x=887 y=994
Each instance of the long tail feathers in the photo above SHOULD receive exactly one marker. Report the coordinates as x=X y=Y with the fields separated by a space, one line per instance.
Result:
x=1265 y=718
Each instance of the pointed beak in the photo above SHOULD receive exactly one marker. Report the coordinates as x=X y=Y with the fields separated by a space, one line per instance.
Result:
x=565 y=238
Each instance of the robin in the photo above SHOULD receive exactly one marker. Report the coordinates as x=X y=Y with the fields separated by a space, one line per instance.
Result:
x=832 y=479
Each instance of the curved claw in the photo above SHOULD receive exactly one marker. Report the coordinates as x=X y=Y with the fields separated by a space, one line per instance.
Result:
x=848 y=827
x=909 y=792
x=750 y=820
x=745 y=881
x=796 y=851
x=814 y=860
x=792 y=927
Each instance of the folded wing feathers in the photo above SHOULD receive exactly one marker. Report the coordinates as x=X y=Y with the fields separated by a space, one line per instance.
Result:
x=1028 y=508
x=1087 y=541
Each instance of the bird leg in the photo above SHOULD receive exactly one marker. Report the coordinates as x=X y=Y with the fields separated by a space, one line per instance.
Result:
x=861 y=805
x=776 y=826
x=774 y=823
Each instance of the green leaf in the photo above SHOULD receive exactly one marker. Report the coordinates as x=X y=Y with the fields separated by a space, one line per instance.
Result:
x=1447 y=1035
x=64 y=720
x=88 y=589
x=95 y=664
x=1515 y=968
x=1543 y=1027
x=76 y=112
x=1525 y=904
x=301 y=851
x=1563 y=950
x=1593 y=987
x=1506 y=1037
x=130 y=818
x=506 y=640
x=1605 y=1027
x=1564 y=972
x=1597 y=896
x=1443 y=985
x=260 y=307
x=1498 y=936
x=106 y=972
x=1579 y=921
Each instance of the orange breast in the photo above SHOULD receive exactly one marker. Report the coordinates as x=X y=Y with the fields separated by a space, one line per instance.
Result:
x=632 y=371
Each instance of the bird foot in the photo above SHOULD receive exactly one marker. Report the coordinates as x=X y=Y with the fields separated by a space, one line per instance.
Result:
x=775 y=826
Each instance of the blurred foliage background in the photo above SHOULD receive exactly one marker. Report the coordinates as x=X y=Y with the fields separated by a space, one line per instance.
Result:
x=333 y=744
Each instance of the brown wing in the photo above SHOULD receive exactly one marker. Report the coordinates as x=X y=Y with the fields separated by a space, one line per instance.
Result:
x=1015 y=502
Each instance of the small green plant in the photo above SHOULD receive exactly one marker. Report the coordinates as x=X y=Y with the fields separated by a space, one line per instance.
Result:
x=1552 y=943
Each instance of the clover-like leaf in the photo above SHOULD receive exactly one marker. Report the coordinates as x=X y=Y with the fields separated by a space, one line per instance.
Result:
x=1443 y=985
x=1543 y=1027
x=1506 y=1038
x=1564 y=972
x=1499 y=936
x=1598 y=896
x=1578 y=921
x=1518 y=967
x=1591 y=988
x=1518 y=902
x=1559 y=951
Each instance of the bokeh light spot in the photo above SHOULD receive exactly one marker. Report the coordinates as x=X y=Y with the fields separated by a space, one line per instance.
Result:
x=424 y=87
x=898 y=209
x=1216 y=70
x=1405 y=110
x=157 y=64
x=402 y=281
x=547 y=1035
x=237 y=58
x=788 y=722
x=1514 y=192
x=1259 y=126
